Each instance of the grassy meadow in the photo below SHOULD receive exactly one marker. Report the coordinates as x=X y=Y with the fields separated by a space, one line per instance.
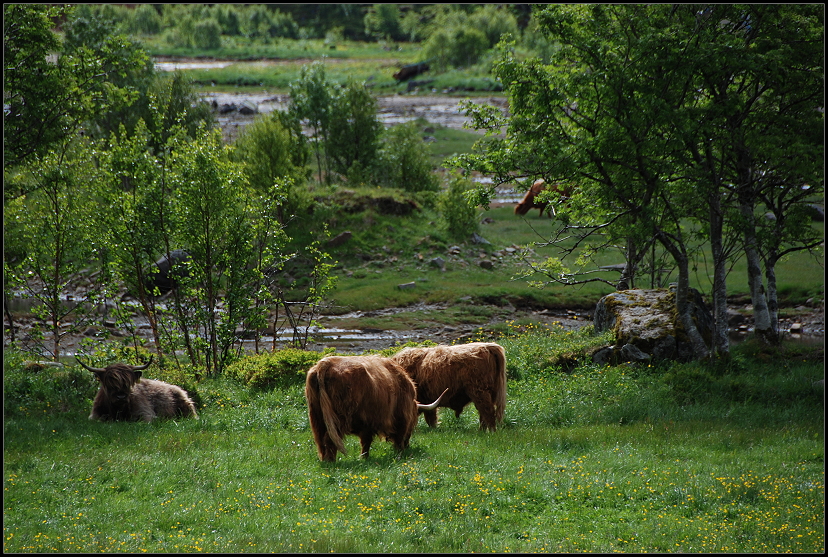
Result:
x=679 y=458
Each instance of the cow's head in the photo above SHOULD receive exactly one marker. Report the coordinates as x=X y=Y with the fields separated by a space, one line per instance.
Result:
x=117 y=379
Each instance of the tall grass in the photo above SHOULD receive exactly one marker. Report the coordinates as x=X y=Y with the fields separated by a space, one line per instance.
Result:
x=598 y=459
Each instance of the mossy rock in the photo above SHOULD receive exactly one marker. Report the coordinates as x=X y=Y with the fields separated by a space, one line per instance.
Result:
x=648 y=320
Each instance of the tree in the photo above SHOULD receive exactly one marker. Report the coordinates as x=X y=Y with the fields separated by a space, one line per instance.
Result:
x=404 y=161
x=273 y=153
x=382 y=21
x=52 y=223
x=353 y=133
x=213 y=223
x=310 y=101
x=653 y=115
x=48 y=97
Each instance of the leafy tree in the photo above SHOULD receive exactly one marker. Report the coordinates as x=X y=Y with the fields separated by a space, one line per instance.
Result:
x=213 y=222
x=48 y=99
x=52 y=224
x=146 y=20
x=354 y=132
x=382 y=21
x=273 y=154
x=310 y=101
x=207 y=34
x=404 y=160
x=495 y=22
x=458 y=215
x=633 y=113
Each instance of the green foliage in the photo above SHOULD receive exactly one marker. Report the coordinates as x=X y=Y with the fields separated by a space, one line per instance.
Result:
x=382 y=21
x=145 y=20
x=404 y=160
x=272 y=152
x=207 y=34
x=459 y=47
x=459 y=216
x=353 y=132
x=28 y=390
x=279 y=369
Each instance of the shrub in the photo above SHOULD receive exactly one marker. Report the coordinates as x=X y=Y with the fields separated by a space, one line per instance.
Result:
x=146 y=20
x=275 y=369
x=459 y=217
x=207 y=34
x=404 y=160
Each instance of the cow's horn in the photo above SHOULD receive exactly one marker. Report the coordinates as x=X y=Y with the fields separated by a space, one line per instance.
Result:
x=92 y=369
x=433 y=405
x=145 y=366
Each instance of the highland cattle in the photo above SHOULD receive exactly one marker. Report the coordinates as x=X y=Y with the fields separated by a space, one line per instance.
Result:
x=473 y=372
x=124 y=396
x=360 y=395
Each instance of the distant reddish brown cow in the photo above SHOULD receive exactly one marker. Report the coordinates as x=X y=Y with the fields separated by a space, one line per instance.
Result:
x=528 y=202
x=363 y=396
x=123 y=395
x=474 y=372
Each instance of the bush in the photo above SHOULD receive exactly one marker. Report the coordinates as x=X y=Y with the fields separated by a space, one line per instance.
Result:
x=404 y=160
x=35 y=389
x=146 y=20
x=275 y=369
x=207 y=34
x=459 y=217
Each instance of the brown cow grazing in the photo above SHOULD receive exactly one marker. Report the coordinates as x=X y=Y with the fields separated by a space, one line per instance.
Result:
x=360 y=395
x=474 y=372
x=528 y=202
x=124 y=396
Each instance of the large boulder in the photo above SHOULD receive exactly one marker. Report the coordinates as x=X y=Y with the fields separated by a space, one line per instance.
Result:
x=648 y=321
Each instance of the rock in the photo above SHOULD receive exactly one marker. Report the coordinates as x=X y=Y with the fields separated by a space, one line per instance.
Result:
x=340 y=239
x=227 y=108
x=477 y=239
x=734 y=318
x=796 y=327
x=248 y=107
x=630 y=353
x=438 y=262
x=486 y=264
x=407 y=285
x=646 y=320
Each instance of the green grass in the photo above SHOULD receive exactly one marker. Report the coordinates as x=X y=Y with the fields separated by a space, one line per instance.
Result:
x=400 y=250
x=599 y=460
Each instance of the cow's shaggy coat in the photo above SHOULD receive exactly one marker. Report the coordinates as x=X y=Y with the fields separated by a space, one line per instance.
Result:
x=474 y=372
x=124 y=396
x=363 y=396
x=528 y=202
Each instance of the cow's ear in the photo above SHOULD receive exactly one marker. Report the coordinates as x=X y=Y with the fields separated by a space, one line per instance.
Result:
x=99 y=375
x=138 y=374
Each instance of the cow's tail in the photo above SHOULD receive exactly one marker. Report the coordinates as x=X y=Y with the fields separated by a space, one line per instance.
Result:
x=328 y=415
x=500 y=381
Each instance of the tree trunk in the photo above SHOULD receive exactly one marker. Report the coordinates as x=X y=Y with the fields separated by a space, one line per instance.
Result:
x=721 y=342
x=761 y=315
x=683 y=306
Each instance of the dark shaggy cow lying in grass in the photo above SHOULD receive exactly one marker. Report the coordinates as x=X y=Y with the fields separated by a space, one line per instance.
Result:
x=123 y=395
x=474 y=372
x=360 y=395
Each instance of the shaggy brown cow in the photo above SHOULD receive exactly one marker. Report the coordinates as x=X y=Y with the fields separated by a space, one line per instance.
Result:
x=123 y=395
x=474 y=372
x=528 y=202
x=360 y=395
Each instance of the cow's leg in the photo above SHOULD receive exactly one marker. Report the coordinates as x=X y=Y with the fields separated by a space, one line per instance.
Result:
x=486 y=410
x=327 y=449
x=431 y=417
x=365 y=439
